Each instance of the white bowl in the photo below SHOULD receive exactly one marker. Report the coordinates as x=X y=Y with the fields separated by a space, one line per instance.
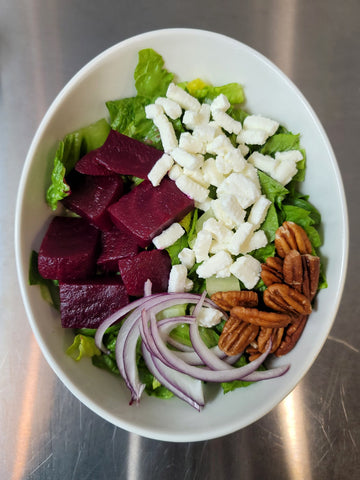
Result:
x=217 y=59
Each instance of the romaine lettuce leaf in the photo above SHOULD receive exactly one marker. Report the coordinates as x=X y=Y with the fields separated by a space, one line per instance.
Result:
x=303 y=218
x=281 y=142
x=82 y=346
x=206 y=93
x=274 y=191
x=151 y=78
x=70 y=150
x=230 y=386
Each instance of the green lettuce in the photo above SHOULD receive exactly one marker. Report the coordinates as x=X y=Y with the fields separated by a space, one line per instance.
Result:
x=230 y=386
x=69 y=151
x=82 y=346
x=206 y=93
x=151 y=78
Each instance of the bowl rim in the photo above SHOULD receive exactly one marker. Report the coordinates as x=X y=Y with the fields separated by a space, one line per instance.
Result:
x=20 y=262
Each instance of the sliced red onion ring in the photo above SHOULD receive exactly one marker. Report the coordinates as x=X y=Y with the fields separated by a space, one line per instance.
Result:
x=266 y=374
x=200 y=373
x=207 y=355
x=179 y=371
x=183 y=386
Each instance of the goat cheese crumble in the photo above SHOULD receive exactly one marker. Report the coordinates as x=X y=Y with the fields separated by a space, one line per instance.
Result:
x=205 y=156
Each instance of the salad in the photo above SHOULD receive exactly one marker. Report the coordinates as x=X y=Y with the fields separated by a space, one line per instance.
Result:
x=181 y=250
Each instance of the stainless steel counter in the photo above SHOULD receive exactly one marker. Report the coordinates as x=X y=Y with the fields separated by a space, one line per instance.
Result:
x=45 y=432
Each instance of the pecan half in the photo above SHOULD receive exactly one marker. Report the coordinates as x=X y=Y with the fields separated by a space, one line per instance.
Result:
x=293 y=333
x=236 y=336
x=293 y=270
x=253 y=353
x=261 y=318
x=311 y=273
x=228 y=300
x=291 y=236
x=272 y=271
x=282 y=298
x=265 y=334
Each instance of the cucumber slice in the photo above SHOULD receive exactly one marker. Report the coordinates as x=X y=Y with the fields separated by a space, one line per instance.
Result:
x=214 y=284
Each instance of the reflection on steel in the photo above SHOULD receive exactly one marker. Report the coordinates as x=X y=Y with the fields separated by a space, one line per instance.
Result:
x=27 y=411
x=292 y=426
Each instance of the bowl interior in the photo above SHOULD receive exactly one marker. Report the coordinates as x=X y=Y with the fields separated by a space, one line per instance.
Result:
x=217 y=59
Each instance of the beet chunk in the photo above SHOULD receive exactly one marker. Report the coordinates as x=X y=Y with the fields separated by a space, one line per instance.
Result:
x=89 y=164
x=147 y=210
x=121 y=154
x=154 y=265
x=85 y=304
x=68 y=250
x=116 y=244
x=91 y=195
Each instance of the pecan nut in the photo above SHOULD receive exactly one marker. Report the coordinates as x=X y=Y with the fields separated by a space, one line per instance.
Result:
x=272 y=271
x=228 y=300
x=282 y=298
x=236 y=336
x=292 y=335
x=261 y=318
x=311 y=273
x=291 y=236
x=265 y=334
x=293 y=270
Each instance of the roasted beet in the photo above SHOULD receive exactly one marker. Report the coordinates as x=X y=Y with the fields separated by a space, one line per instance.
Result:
x=89 y=164
x=115 y=245
x=147 y=210
x=68 y=250
x=85 y=304
x=91 y=195
x=154 y=265
x=120 y=154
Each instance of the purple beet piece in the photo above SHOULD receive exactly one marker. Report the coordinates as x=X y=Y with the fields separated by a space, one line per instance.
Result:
x=89 y=164
x=146 y=210
x=115 y=244
x=120 y=154
x=85 y=304
x=91 y=196
x=68 y=250
x=154 y=265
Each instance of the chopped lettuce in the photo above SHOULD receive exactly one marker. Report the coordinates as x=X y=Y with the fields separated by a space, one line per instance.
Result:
x=70 y=150
x=82 y=346
x=230 y=386
x=151 y=78
x=206 y=93
x=281 y=142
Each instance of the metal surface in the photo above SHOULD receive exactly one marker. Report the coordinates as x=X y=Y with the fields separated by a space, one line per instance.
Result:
x=45 y=432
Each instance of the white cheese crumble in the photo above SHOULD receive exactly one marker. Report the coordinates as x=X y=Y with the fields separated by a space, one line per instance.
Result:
x=241 y=187
x=177 y=279
x=184 y=99
x=258 y=211
x=168 y=236
x=208 y=317
x=187 y=257
x=171 y=108
x=160 y=169
x=202 y=245
x=191 y=188
x=247 y=269
x=213 y=264
x=204 y=157
x=186 y=159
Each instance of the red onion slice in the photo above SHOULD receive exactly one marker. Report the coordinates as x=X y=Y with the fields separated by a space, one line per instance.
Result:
x=227 y=375
x=184 y=387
